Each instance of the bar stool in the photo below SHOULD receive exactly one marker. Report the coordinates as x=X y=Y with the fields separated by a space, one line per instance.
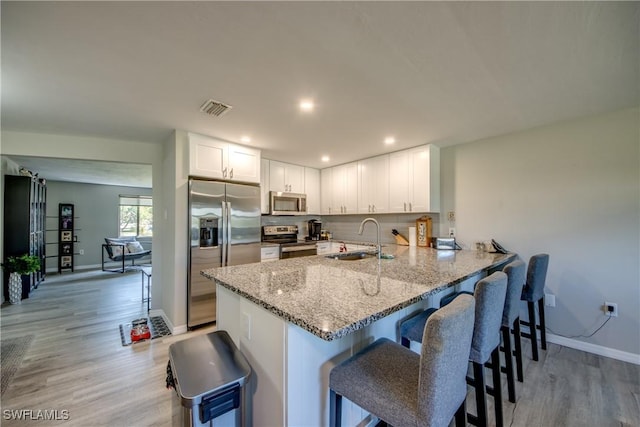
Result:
x=402 y=387
x=533 y=292
x=511 y=324
x=489 y=294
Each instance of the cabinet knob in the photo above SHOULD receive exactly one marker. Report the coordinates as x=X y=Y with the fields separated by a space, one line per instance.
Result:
x=410 y=207
x=224 y=172
x=405 y=206
x=231 y=173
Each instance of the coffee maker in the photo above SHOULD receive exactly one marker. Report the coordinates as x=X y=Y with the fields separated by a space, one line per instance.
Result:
x=314 y=227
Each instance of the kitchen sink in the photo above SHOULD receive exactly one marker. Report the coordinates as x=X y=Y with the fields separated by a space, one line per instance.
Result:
x=352 y=256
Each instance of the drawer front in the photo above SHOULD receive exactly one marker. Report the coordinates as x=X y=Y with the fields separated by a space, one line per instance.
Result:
x=270 y=253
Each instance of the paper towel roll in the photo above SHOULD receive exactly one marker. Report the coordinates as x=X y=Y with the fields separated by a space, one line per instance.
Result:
x=412 y=236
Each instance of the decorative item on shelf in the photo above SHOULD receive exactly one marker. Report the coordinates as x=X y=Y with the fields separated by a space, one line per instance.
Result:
x=17 y=267
x=424 y=230
x=66 y=236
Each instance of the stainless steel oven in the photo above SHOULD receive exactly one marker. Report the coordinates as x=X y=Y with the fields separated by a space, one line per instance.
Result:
x=294 y=250
x=286 y=236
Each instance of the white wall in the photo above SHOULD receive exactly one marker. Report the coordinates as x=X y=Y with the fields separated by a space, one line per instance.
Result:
x=571 y=190
x=175 y=229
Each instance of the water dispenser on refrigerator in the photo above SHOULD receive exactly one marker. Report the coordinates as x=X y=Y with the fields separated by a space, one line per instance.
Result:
x=208 y=232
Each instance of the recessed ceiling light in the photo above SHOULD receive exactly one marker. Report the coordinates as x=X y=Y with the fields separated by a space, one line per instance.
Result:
x=389 y=140
x=306 y=105
x=245 y=139
x=325 y=158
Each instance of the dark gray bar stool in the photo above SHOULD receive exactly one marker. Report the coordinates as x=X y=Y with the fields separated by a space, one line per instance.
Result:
x=511 y=324
x=404 y=388
x=490 y=295
x=533 y=293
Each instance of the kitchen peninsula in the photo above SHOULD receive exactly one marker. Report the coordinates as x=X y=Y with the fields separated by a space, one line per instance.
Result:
x=295 y=319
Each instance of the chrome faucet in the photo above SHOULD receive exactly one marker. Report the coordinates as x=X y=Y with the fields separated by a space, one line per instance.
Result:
x=378 y=246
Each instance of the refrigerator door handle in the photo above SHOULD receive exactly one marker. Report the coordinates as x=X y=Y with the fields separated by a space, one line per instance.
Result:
x=225 y=218
x=228 y=231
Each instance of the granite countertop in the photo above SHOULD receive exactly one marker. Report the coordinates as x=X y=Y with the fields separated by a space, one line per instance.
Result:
x=332 y=298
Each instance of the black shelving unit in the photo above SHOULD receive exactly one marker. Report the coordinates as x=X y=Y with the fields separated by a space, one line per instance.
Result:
x=24 y=225
x=66 y=237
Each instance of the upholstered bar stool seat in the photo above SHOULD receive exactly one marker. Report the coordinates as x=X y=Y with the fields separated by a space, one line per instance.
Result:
x=403 y=388
x=532 y=293
x=490 y=295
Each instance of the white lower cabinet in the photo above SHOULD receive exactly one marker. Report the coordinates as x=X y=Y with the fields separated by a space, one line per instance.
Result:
x=290 y=379
x=269 y=253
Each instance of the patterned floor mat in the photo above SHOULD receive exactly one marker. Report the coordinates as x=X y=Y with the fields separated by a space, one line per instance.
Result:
x=157 y=327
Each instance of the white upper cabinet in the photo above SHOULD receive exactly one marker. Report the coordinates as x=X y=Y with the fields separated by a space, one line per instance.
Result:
x=344 y=189
x=213 y=158
x=286 y=177
x=415 y=180
x=264 y=186
x=312 y=189
x=244 y=164
x=290 y=178
x=326 y=191
x=373 y=185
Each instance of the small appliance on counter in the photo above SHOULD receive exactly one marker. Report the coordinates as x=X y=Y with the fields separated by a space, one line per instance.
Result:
x=315 y=229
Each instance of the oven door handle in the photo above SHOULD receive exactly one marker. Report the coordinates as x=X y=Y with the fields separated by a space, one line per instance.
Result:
x=298 y=248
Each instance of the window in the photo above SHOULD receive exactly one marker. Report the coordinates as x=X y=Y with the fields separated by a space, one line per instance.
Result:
x=136 y=216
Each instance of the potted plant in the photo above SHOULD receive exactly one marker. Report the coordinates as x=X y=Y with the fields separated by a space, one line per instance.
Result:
x=18 y=266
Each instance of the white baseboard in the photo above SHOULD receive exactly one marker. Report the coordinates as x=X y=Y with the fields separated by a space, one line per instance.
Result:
x=54 y=270
x=595 y=349
x=175 y=330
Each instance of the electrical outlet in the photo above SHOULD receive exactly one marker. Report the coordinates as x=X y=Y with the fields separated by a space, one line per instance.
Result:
x=452 y=232
x=246 y=326
x=549 y=300
x=451 y=216
x=610 y=309
x=81 y=251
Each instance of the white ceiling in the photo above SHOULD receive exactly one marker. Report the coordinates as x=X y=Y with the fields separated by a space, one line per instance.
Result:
x=424 y=72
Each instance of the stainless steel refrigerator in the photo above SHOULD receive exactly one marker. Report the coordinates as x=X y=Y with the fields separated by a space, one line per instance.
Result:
x=224 y=229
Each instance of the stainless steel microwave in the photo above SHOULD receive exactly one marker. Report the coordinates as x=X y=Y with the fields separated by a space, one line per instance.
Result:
x=287 y=203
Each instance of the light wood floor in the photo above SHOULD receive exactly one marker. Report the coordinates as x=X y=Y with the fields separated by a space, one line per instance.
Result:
x=76 y=363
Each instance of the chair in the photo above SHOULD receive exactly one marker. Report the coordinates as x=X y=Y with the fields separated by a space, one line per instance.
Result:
x=120 y=250
x=533 y=292
x=403 y=388
x=490 y=295
x=515 y=272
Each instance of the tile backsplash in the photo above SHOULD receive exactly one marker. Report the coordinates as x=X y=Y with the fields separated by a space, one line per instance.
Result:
x=345 y=227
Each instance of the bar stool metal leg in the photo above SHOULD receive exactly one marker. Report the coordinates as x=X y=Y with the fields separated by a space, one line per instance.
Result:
x=497 y=386
x=479 y=385
x=508 y=357
x=461 y=415
x=335 y=409
x=518 y=349
x=543 y=330
x=532 y=330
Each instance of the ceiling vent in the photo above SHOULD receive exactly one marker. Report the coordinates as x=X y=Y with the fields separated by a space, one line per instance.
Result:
x=215 y=108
